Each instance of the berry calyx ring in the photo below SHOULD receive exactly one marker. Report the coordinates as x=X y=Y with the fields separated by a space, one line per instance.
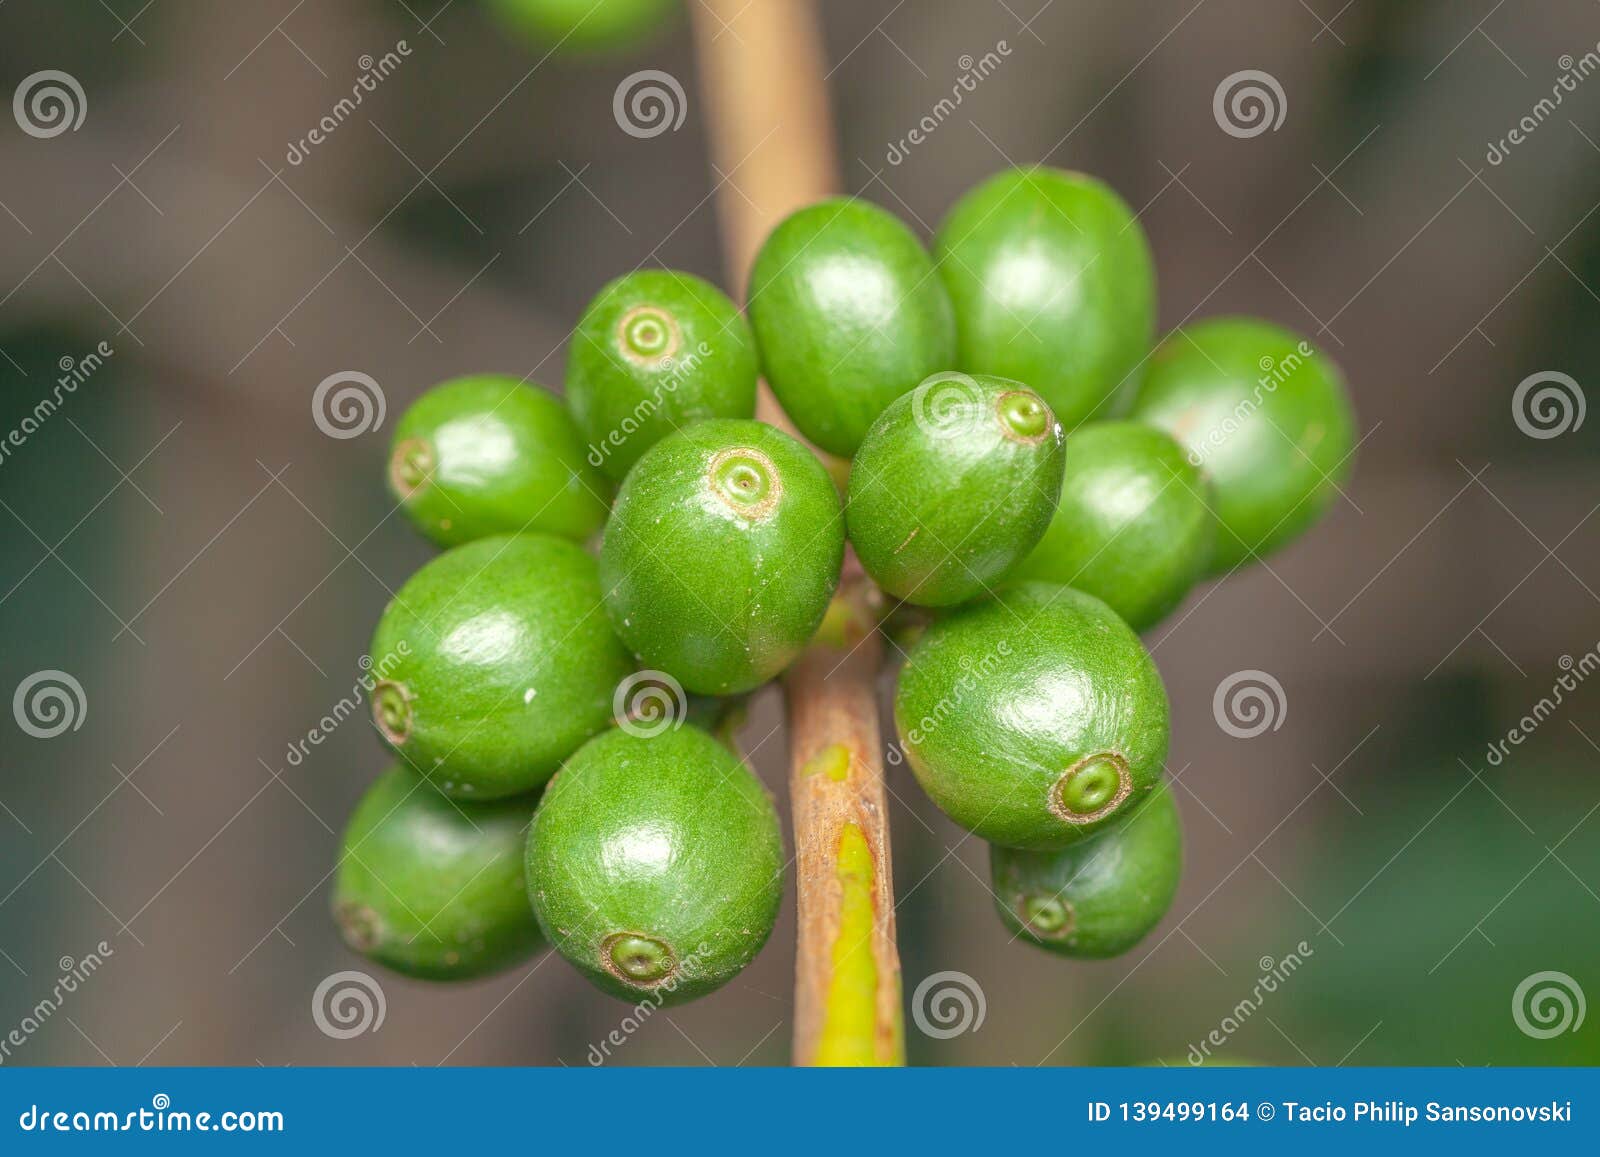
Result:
x=746 y=480
x=1091 y=789
x=636 y=959
x=1023 y=416
x=1048 y=916
x=410 y=466
x=391 y=711
x=648 y=335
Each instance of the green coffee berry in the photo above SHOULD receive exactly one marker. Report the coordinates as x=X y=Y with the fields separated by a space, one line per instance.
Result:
x=488 y=455
x=953 y=485
x=1100 y=896
x=1265 y=416
x=1134 y=526
x=1053 y=285
x=1033 y=719
x=654 y=351
x=721 y=554
x=849 y=314
x=434 y=888
x=655 y=864
x=499 y=664
x=585 y=25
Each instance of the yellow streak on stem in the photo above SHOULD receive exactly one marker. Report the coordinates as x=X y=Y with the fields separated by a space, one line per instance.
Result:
x=849 y=1026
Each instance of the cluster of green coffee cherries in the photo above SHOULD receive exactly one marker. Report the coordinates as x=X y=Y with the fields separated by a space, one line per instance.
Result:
x=1016 y=465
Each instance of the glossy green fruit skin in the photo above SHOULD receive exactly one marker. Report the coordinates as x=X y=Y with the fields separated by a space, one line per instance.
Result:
x=488 y=455
x=508 y=665
x=849 y=314
x=1053 y=285
x=954 y=485
x=654 y=351
x=586 y=25
x=433 y=888
x=667 y=840
x=1033 y=719
x=717 y=590
x=1102 y=895
x=1134 y=526
x=1265 y=416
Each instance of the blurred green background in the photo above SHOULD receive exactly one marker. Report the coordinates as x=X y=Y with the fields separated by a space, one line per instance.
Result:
x=183 y=539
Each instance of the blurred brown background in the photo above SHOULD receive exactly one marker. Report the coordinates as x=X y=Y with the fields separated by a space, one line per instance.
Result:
x=185 y=542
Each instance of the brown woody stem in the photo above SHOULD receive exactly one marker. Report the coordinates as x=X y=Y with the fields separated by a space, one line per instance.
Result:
x=761 y=71
x=847 y=969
